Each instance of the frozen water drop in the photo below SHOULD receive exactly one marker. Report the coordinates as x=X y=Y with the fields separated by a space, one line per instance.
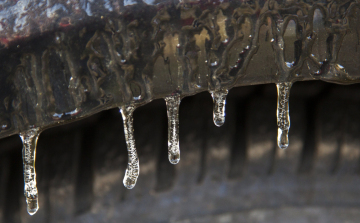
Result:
x=172 y=105
x=283 y=117
x=29 y=139
x=133 y=168
x=219 y=101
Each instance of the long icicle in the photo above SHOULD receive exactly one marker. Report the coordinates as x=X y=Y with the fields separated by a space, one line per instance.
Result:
x=133 y=168
x=172 y=105
x=29 y=139
x=283 y=117
x=219 y=102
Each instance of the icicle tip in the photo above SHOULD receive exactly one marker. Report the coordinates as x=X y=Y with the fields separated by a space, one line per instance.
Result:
x=283 y=138
x=174 y=158
x=129 y=183
x=32 y=206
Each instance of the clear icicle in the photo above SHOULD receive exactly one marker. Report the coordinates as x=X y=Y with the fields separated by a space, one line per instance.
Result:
x=133 y=168
x=29 y=139
x=283 y=117
x=172 y=105
x=219 y=101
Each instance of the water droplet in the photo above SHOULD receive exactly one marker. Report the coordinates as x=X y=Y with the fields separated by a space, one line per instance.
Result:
x=29 y=139
x=283 y=117
x=340 y=66
x=213 y=64
x=133 y=168
x=57 y=116
x=72 y=113
x=172 y=105
x=198 y=81
x=219 y=102
x=289 y=64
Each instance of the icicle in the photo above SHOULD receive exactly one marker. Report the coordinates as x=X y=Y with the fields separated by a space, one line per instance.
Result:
x=219 y=101
x=172 y=105
x=29 y=139
x=133 y=168
x=283 y=117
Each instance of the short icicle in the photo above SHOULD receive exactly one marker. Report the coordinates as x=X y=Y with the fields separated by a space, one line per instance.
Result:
x=133 y=168
x=283 y=117
x=29 y=139
x=172 y=105
x=219 y=102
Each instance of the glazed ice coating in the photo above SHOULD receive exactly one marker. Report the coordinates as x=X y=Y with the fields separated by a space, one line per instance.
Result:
x=64 y=61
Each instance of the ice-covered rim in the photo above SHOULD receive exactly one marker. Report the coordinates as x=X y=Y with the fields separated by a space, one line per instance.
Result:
x=61 y=61
x=64 y=60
